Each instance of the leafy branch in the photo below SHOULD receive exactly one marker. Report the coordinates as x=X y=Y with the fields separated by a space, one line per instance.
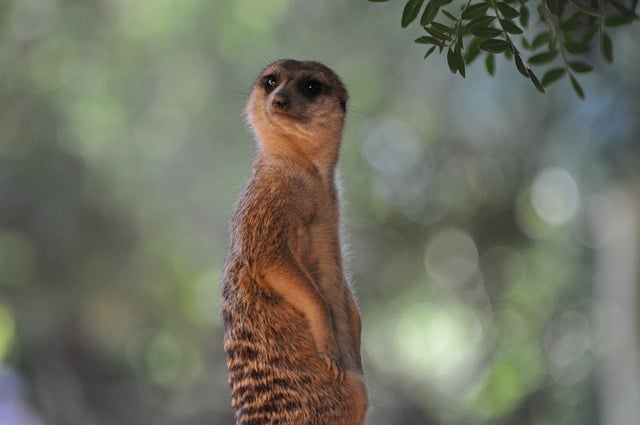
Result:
x=561 y=37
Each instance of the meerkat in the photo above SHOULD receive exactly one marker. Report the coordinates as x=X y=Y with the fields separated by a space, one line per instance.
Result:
x=292 y=327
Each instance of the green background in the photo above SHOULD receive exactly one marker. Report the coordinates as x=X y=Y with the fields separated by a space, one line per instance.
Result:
x=492 y=230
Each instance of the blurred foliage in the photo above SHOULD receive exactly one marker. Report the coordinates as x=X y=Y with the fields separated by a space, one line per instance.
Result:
x=468 y=212
x=565 y=33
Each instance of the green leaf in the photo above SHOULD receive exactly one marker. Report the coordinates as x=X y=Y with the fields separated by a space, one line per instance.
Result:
x=588 y=36
x=576 y=87
x=425 y=39
x=449 y=15
x=494 y=45
x=543 y=57
x=486 y=32
x=460 y=60
x=524 y=16
x=580 y=67
x=429 y=13
x=606 y=46
x=507 y=11
x=576 y=48
x=540 y=39
x=451 y=61
x=429 y=52
x=490 y=64
x=473 y=51
x=459 y=44
x=410 y=12
x=437 y=34
x=575 y=21
x=535 y=80
x=552 y=75
x=520 y=64
x=441 y=27
x=475 y=11
x=510 y=27
x=615 y=21
x=554 y=6
x=440 y=3
x=483 y=22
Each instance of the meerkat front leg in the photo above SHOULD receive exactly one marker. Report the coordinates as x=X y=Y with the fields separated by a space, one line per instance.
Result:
x=293 y=284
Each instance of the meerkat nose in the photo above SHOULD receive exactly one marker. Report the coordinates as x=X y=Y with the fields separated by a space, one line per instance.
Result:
x=280 y=100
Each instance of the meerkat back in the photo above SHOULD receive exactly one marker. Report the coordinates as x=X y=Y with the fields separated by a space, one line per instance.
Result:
x=292 y=328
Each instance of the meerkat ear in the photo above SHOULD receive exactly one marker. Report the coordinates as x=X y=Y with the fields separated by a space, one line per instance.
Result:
x=343 y=105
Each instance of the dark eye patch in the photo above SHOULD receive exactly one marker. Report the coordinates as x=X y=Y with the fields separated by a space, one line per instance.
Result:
x=269 y=82
x=311 y=88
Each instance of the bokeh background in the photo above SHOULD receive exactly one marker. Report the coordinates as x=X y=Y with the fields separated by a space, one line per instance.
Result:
x=493 y=231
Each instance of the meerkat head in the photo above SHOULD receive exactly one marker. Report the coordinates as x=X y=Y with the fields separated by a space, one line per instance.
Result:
x=297 y=102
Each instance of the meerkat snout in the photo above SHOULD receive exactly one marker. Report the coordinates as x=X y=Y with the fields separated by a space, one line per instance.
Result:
x=280 y=100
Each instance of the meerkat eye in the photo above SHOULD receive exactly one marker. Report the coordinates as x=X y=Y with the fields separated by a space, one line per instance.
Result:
x=312 y=88
x=269 y=82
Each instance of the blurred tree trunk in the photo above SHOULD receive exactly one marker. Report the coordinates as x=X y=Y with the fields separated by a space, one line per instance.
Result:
x=616 y=227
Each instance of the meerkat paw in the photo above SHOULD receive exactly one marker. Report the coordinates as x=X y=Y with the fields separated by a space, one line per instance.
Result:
x=334 y=365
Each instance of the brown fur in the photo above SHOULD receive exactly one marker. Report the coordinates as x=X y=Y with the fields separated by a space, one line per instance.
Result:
x=292 y=328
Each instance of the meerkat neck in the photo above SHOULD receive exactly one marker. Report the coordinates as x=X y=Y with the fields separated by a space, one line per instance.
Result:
x=288 y=162
x=317 y=156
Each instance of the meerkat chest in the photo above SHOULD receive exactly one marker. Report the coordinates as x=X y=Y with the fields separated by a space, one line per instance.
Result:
x=323 y=247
